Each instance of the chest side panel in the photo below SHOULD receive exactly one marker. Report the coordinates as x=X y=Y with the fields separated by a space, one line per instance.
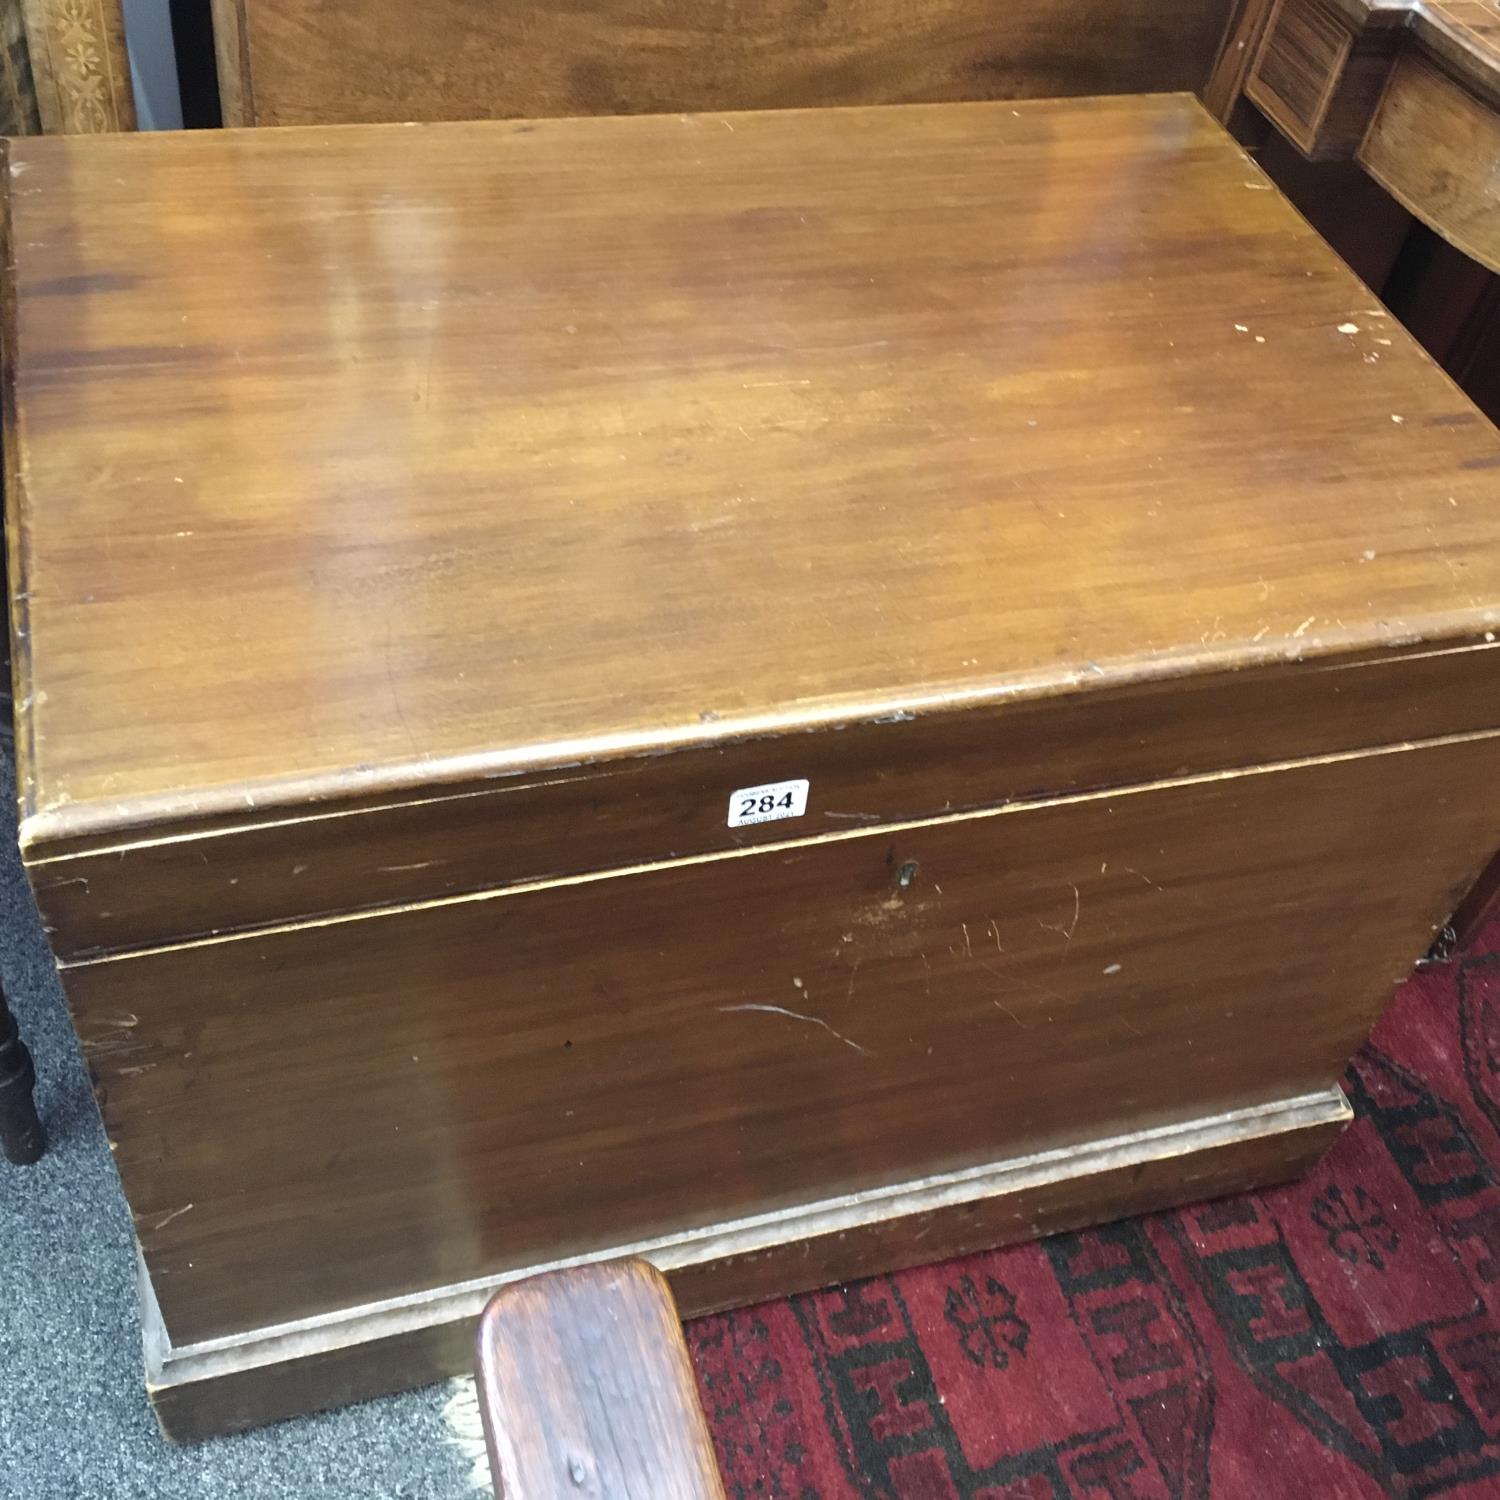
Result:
x=334 y=1113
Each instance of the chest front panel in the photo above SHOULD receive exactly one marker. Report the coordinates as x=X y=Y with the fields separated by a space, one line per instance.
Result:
x=370 y=1107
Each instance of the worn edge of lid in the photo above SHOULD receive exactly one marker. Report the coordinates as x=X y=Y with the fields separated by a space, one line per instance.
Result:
x=81 y=827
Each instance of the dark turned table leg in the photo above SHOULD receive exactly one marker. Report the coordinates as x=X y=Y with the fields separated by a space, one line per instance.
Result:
x=21 y=1135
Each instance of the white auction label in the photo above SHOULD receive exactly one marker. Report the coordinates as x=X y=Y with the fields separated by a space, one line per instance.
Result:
x=764 y=804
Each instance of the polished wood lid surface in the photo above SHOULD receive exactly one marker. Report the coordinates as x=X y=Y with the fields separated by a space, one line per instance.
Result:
x=353 y=461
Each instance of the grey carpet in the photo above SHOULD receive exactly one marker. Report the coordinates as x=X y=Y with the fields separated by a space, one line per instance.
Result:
x=74 y=1422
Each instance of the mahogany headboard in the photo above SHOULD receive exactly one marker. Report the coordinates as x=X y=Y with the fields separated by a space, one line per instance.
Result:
x=297 y=62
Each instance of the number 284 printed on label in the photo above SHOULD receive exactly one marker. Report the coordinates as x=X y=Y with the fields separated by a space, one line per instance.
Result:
x=765 y=804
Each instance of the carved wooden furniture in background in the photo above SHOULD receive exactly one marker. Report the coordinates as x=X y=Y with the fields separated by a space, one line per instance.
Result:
x=1408 y=88
x=1023 y=489
x=79 y=71
x=586 y=1388
x=293 y=62
x=1428 y=146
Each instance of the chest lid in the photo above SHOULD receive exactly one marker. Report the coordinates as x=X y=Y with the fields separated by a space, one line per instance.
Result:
x=356 y=470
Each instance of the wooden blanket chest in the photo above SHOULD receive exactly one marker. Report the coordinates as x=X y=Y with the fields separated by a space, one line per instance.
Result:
x=792 y=693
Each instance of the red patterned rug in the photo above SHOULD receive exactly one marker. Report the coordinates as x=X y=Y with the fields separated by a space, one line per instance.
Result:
x=1340 y=1337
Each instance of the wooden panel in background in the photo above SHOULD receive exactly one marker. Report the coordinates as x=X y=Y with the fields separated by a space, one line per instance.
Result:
x=291 y=62
x=1464 y=37
x=1302 y=56
x=1434 y=147
x=1318 y=73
